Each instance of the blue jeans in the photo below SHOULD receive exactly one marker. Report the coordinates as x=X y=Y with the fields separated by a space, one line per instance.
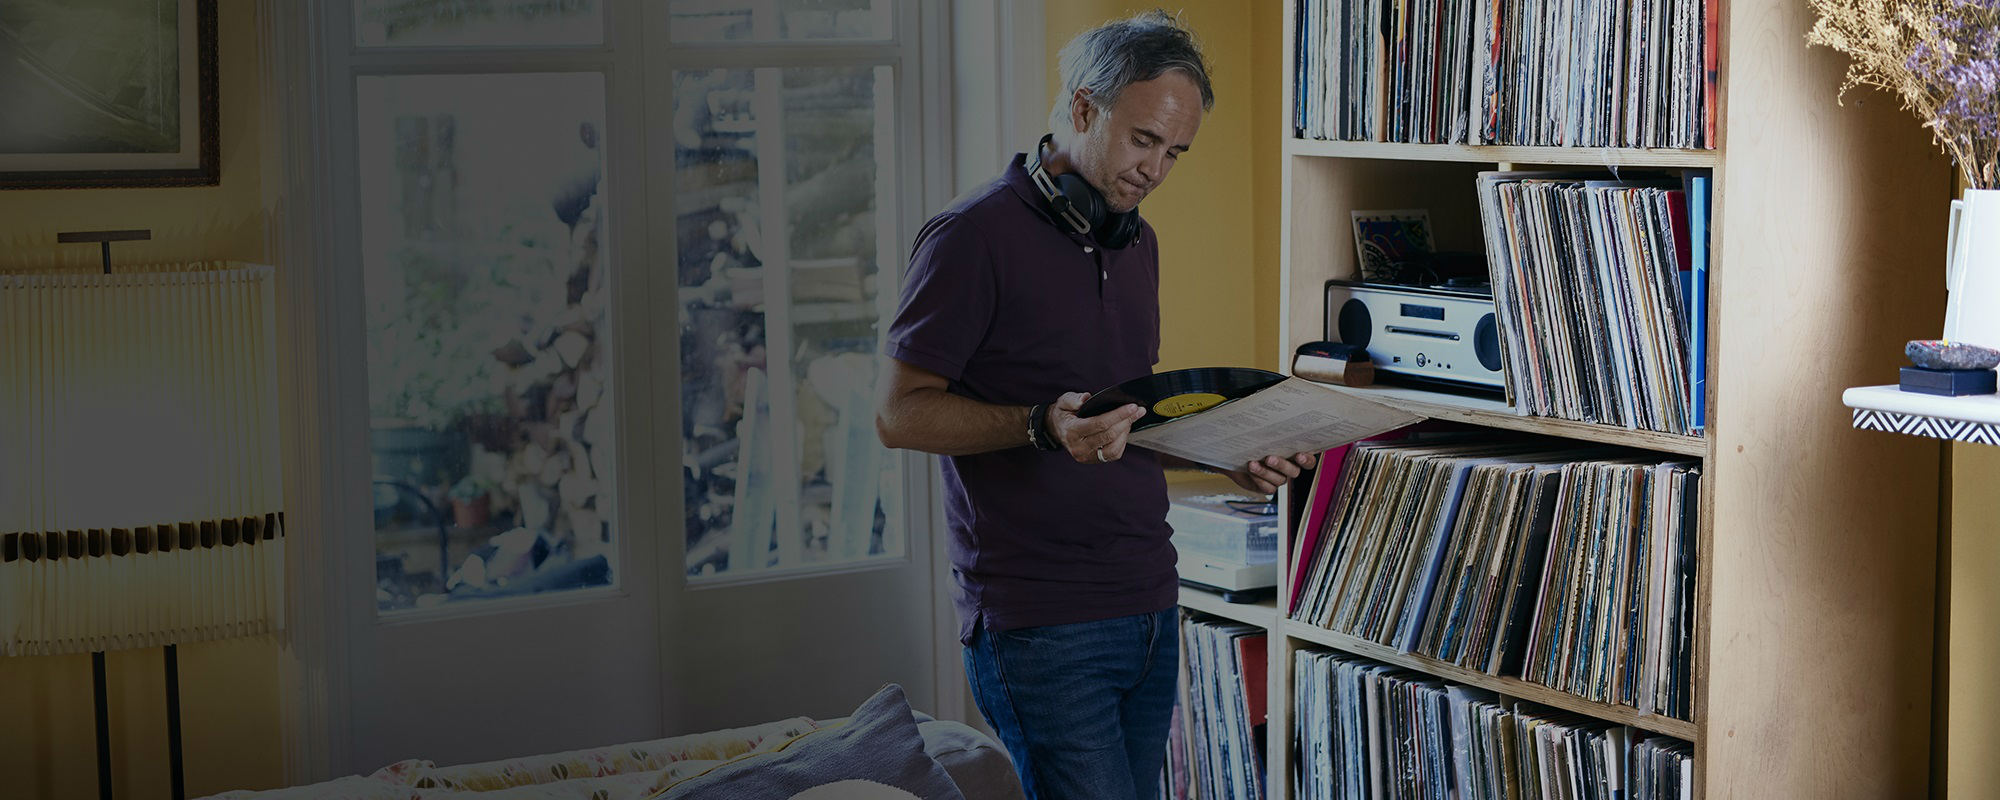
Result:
x=1083 y=708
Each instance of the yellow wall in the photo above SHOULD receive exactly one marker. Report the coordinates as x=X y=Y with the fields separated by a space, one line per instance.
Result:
x=1217 y=214
x=229 y=690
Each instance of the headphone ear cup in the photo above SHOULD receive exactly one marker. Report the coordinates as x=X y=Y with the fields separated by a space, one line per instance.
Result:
x=1082 y=197
x=1119 y=231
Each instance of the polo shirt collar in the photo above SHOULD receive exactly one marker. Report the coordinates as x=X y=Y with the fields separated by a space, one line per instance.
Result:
x=1024 y=188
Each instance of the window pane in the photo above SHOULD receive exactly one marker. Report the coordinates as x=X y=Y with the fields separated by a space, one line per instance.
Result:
x=489 y=370
x=780 y=314
x=477 y=23
x=725 y=400
x=836 y=125
x=714 y=21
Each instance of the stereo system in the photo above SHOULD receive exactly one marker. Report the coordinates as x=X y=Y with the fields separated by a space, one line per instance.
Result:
x=1442 y=334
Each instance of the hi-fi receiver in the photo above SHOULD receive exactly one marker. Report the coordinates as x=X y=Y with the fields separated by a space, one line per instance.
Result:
x=1444 y=334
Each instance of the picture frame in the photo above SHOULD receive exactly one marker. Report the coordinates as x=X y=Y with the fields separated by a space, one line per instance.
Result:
x=122 y=96
x=1385 y=239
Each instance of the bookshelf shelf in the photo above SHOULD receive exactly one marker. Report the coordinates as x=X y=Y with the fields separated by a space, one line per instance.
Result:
x=1494 y=413
x=1494 y=154
x=1511 y=687
x=1263 y=613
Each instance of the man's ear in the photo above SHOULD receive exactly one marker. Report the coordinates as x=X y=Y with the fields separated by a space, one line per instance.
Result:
x=1081 y=111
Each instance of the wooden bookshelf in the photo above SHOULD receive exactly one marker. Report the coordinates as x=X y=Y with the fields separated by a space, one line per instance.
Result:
x=1493 y=412
x=1495 y=154
x=1812 y=661
x=1511 y=687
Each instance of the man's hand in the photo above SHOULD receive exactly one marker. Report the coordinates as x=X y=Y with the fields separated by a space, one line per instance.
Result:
x=1092 y=440
x=1266 y=475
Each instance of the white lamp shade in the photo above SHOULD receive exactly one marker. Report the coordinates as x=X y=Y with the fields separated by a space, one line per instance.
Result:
x=140 y=494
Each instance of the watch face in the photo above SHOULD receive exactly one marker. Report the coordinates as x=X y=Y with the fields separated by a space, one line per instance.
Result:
x=1168 y=396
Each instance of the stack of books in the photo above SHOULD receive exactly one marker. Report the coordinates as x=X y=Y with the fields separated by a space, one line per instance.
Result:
x=1571 y=567
x=1369 y=731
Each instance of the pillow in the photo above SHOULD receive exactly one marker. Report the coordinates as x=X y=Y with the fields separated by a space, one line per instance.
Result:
x=879 y=744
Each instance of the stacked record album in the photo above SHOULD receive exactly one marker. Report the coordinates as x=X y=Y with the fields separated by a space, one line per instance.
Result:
x=1168 y=396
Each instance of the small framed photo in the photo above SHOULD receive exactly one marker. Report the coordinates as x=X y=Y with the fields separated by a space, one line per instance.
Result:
x=110 y=93
x=1383 y=240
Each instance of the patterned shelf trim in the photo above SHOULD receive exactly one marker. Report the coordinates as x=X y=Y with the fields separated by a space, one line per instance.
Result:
x=1934 y=427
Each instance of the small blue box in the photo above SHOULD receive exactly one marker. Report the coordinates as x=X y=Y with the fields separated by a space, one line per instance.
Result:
x=1948 y=382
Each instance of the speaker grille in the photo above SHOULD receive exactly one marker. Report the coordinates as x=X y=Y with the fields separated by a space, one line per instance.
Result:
x=1356 y=325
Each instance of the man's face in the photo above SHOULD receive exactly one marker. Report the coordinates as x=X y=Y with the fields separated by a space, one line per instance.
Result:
x=1127 y=152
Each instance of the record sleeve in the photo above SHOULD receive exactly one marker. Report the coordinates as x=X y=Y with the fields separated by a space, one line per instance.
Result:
x=1226 y=417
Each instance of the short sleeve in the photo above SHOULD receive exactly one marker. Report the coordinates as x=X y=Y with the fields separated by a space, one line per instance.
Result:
x=947 y=301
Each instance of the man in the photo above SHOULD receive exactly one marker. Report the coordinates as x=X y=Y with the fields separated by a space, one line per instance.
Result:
x=1020 y=296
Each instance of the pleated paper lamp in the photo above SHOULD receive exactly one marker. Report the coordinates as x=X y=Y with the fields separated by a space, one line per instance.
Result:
x=140 y=496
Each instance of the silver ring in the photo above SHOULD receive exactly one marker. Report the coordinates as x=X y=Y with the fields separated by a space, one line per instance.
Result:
x=1100 y=457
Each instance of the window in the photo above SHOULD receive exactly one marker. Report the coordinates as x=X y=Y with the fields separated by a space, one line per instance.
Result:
x=788 y=242
x=486 y=260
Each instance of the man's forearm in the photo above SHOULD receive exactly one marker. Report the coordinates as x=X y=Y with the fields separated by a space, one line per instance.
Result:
x=937 y=421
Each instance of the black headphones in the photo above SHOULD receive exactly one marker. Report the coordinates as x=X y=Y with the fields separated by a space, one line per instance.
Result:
x=1077 y=202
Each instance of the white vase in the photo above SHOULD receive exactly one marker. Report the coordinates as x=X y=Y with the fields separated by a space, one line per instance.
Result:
x=1972 y=269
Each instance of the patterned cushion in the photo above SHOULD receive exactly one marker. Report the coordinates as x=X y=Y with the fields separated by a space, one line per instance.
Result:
x=879 y=744
x=640 y=757
x=619 y=772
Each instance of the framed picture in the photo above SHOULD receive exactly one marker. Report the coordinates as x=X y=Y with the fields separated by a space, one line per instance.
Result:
x=1385 y=241
x=108 y=93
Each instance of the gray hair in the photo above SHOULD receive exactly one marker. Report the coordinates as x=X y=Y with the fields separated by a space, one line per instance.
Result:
x=1119 y=53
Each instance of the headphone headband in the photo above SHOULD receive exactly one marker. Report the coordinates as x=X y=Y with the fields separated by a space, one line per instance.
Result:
x=1057 y=200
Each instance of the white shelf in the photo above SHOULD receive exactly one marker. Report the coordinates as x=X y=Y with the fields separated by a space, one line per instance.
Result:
x=1263 y=613
x=1971 y=418
x=1493 y=412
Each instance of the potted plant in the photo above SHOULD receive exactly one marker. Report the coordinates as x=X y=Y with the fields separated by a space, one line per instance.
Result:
x=1942 y=58
x=471 y=502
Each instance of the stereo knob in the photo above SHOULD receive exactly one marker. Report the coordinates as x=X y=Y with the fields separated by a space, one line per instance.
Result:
x=1486 y=343
x=1355 y=323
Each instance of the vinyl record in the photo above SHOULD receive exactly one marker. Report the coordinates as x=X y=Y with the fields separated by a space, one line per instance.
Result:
x=1168 y=396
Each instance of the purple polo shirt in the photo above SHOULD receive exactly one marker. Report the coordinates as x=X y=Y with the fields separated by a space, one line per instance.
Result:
x=1016 y=311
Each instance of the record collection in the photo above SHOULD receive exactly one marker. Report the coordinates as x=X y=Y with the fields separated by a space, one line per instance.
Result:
x=1568 y=566
x=1371 y=70
x=1593 y=281
x=1223 y=708
x=1580 y=73
x=1370 y=731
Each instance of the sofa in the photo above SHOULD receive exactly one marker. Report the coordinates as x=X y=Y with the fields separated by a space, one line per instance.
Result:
x=883 y=750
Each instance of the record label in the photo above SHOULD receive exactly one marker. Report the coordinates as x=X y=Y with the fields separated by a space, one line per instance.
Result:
x=1181 y=405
